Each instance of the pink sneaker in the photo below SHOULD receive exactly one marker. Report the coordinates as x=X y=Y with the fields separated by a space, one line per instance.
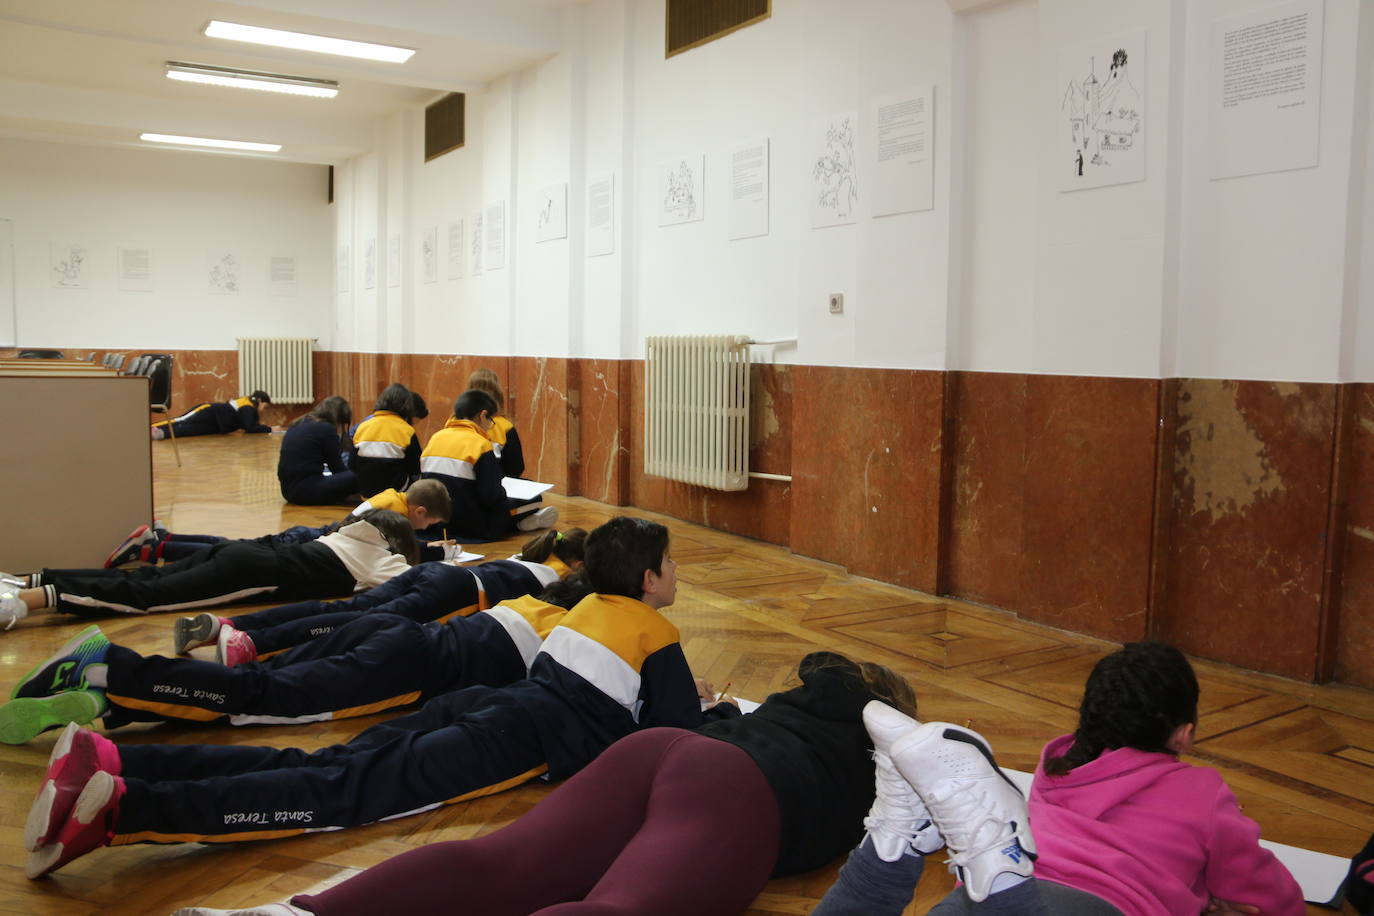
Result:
x=234 y=647
x=90 y=825
x=77 y=756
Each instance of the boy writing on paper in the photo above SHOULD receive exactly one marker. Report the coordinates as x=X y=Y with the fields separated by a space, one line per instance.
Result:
x=463 y=458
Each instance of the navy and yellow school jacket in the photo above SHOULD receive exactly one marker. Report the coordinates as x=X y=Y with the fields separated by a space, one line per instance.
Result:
x=211 y=417
x=387 y=452
x=463 y=458
x=612 y=666
x=246 y=417
x=507 y=441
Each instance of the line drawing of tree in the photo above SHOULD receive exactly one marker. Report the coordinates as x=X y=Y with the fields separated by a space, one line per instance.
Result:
x=68 y=269
x=837 y=185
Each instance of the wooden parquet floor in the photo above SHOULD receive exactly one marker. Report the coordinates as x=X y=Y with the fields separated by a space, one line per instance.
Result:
x=1301 y=758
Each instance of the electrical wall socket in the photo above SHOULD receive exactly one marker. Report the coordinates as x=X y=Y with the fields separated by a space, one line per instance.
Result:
x=836 y=303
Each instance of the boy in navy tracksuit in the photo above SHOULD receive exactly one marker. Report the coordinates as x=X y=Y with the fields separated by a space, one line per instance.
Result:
x=612 y=666
x=424 y=593
x=464 y=458
x=372 y=663
x=213 y=418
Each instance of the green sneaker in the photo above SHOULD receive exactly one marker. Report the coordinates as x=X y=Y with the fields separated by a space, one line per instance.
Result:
x=23 y=719
x=65 y=669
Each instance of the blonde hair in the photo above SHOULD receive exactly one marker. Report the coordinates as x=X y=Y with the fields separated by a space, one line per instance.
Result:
x=486 y=380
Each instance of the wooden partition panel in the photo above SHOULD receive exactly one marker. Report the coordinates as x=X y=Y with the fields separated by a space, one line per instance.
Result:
x=80 y=480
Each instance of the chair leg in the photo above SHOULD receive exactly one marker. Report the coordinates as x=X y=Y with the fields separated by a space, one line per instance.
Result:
x=172 y=434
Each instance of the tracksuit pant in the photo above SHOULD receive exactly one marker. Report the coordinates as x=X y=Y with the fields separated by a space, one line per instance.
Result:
x=180 y=546
x=427 y=591
x=375 y=662
x=665 y=821
x=233 y=571
x=460 y=745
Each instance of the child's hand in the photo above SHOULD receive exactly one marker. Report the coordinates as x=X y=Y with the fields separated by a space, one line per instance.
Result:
x=1218 y=907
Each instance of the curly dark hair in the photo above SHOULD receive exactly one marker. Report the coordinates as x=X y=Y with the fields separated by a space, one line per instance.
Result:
x=1135 y=697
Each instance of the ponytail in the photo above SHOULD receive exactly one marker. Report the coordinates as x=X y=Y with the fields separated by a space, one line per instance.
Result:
x=569 y=546
x=1135 y=697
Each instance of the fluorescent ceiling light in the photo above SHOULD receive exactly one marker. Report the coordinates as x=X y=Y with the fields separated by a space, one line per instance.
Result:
x=206 y=141
x=251 y=79
x=304 y=41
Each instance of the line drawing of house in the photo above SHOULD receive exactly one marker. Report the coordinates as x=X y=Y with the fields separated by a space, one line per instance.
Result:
x=1104 y=116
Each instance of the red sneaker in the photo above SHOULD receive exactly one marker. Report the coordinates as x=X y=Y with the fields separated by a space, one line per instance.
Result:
x=90 y=826
x=130 y=548
x=77 y=756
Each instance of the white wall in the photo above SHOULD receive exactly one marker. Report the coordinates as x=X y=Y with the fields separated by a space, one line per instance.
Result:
x=182 y=207
x=1256 y=277
x=1263 y=257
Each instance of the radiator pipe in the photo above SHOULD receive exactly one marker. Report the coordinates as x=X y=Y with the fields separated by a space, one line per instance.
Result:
x=785 y=478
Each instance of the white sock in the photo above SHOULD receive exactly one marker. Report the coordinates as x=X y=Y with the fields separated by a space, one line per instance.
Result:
x=98 y=675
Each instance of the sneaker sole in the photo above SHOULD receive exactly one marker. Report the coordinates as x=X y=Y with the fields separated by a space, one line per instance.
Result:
x=44 y=820
x=24 y=719
x=192 y=632
x=90 y=804
x=40 y=827
x=68 y=648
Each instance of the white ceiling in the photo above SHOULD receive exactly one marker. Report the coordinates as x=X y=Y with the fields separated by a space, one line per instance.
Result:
x=91 y=71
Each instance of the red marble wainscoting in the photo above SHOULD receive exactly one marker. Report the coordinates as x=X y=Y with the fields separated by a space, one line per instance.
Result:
x=1246 y=543
x=1233 y=518
x=763 y=511
x=866 y=467
x=1051 y=503
x=1354 y=631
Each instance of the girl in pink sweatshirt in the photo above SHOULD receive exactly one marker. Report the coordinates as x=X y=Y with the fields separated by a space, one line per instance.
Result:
x=1116 y=824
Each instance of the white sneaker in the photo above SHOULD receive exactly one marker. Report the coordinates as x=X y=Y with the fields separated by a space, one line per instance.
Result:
x=12 y=607
x=544 y=518
x=12 y=580
x=977 y=809
x=898 y=822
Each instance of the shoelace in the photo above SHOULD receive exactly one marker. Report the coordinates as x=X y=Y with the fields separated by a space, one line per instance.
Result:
x=961 y=817
x=901 y=819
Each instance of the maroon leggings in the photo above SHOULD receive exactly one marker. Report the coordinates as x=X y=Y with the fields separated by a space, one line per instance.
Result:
x=665 y=821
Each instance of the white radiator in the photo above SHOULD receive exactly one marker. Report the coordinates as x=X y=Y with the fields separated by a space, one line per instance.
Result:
x=696 y=410
x=278 y=365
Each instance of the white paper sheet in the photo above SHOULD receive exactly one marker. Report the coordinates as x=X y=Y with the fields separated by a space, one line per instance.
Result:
x=601 y=215
x=903 y=126
x=682 y=190
x=519 y=488
x=495 y=229
x=749 y=163
x=1266 y=90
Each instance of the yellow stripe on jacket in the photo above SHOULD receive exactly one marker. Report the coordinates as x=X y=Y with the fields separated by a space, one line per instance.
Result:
x=455 y=450
x=383 y=435
x=390 y=499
